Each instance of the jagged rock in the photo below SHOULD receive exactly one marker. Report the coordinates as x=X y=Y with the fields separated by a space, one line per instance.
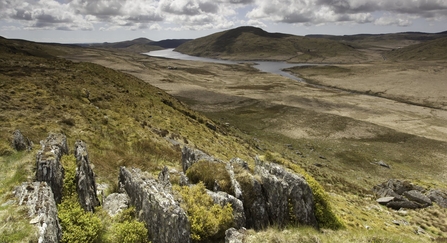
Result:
x=116 y=203
x=383 y=164
x=164 y=178
x=42 y=210
x=417 y=196
x=396 y=205
x=223 y=198
x=190 y=156
x=255 y=203
x=289 y=197
x=165 y=220
x=234 y=183
x=439 y=197
x=20 y=143
x=233 y=235
x=184 y=181
x=49 y=167
x=85 y=178
x=239 y=162
x=385 y=200
x=393 y=188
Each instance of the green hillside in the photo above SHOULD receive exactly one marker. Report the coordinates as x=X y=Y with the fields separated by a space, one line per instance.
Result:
x=250 y=43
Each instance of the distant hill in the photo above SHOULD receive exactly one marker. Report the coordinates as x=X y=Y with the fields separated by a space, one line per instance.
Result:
x=170 y=43
x=250 y=43
x=430 y=50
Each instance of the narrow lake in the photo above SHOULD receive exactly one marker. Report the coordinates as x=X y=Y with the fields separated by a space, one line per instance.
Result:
x=263 y=66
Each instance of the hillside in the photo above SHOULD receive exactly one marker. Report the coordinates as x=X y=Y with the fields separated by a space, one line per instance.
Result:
x=430 y=50
x=126 y=122
x=138 y=45
x=250 y=43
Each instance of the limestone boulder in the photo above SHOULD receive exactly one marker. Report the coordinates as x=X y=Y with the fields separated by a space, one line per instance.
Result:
x=48 y=165
x=42 y=210
x=85 y=178
x=165 y=220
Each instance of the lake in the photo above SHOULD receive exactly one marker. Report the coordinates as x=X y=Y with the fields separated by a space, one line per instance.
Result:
x=263 y=66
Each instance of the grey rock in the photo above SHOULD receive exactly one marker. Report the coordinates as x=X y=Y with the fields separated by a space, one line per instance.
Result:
x=396 y=205
x=184 y=181
x=116 y=203
x=233 y=235
x=165 y=220
x=289 y=197
x=223 y=198
x=234 y=183
x=191 y=156
x=21 y=143
x=164 y=178
x=255 y=203
x=439 y=197
x=85 y=178
x=49 y=167
x=417 y=196
x=239 y=162
x=385 y=200
x=39 y=199
x=383 y=164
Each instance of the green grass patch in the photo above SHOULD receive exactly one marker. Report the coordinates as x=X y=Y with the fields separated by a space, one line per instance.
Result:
x=208 y=220
x=210 y=173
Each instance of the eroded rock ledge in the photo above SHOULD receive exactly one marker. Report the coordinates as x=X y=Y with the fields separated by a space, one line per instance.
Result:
x=398 y=194
x=42 y=210
x=165 y=219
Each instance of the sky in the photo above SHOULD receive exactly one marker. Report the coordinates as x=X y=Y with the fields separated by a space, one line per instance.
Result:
x=88 y=21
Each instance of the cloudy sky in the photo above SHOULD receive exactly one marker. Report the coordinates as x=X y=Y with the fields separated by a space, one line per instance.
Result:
x=85 y=21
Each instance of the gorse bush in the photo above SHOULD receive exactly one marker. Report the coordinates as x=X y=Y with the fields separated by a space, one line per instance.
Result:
x=126 y=229
x=77 y=224
x=209 y=173
x=208 y=220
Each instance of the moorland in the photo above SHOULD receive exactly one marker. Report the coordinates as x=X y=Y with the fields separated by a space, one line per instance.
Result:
x=378 y=98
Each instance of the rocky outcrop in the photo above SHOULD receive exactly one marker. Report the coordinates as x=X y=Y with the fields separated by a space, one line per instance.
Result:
x=190 y=156
x=49 y=168
x=85 y=178
x=289 y=197
x=21 y=143
x=116 y=203
x=39 y=199
x=438 y=197
x=165 y=220
x=237 y=190
x=233 y=235
x=223 y=198
x=398 y=194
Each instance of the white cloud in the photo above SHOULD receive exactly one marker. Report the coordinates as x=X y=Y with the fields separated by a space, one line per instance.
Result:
x=214 y=14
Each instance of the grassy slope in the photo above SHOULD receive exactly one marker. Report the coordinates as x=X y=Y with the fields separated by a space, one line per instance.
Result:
x=249 y=43
x=122 y=119
x=430 y=50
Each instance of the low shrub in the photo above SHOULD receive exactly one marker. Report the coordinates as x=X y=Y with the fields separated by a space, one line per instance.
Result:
x=209 y=173
x=208 y=220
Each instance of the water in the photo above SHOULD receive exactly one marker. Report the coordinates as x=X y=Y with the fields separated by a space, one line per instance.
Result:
x=263 y=66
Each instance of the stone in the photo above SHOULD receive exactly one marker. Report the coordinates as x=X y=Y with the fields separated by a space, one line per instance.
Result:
x=115 y=203
x=417 y=196
x=165 y=220
x=438 y=197
x=21 y=143
x=255 y=203
x=234 y=183
x=164 y=178
x=223 y=198
x=239 y=162
x=233 y=235
x=49 y=167
x=191 y=156
x=396 y=205
x=383 y=164
x=85 y=178
x=385 y=200
x=289 y=197
x=38 y=198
